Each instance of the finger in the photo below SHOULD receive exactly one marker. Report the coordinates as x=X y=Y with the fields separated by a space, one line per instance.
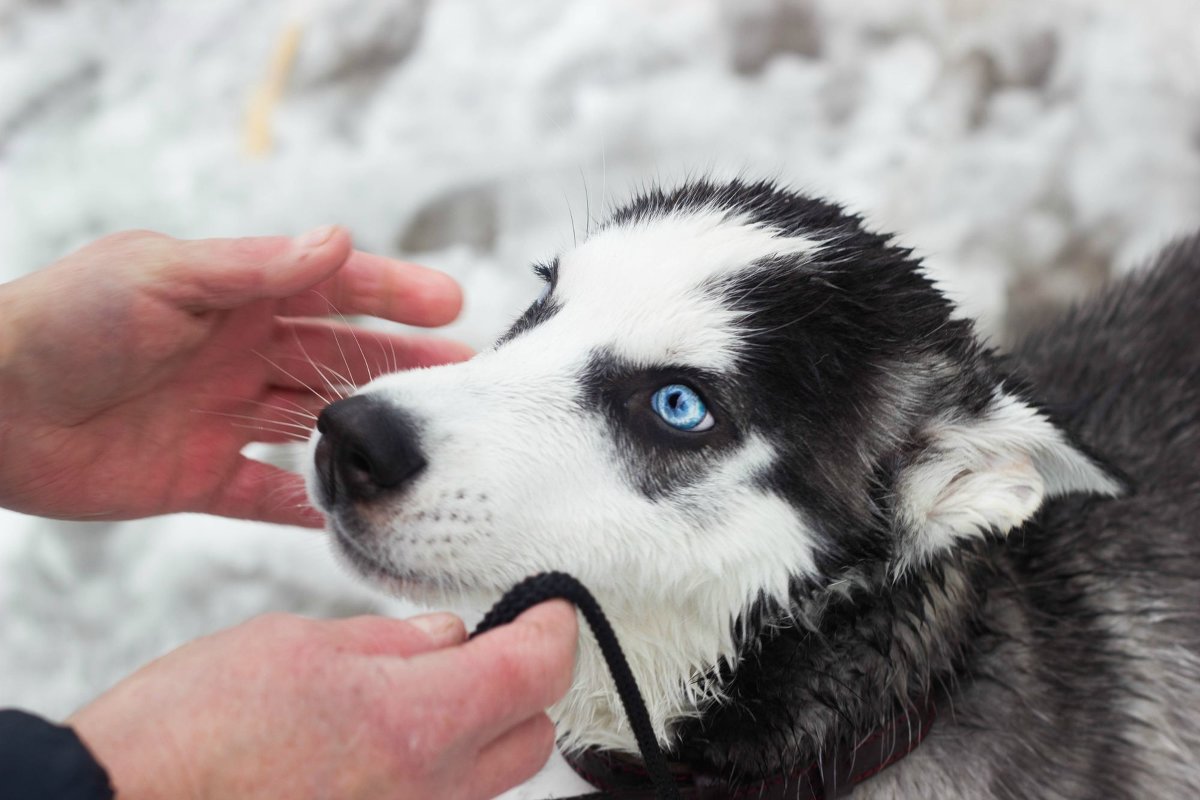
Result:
x=210 y=274
x=380 y=636
x=507 y=675
x=382 y=287
x=319 y=353
x=261 y=492
x=512 y=759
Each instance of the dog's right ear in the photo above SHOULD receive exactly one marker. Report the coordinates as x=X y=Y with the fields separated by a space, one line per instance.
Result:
x=987 y=473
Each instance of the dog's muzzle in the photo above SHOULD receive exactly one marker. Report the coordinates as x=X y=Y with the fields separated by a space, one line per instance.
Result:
x=367 y=449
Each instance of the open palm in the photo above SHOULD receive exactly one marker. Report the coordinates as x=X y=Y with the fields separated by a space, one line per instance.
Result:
x=134 y=371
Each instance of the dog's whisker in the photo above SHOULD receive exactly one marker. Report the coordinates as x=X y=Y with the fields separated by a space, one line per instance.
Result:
x=571 y=216
x=299 y=410
x=250 y=418
x=268 y=429
x=587 y=207
x=391 y=362
x=350 y=328
x=321 y=372
x=299 y=382
x=604 y=202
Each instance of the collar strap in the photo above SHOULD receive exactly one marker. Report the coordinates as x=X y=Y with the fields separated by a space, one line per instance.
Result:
x=839 y=769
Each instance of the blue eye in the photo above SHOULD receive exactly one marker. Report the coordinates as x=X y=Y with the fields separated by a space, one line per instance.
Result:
x=680 y=407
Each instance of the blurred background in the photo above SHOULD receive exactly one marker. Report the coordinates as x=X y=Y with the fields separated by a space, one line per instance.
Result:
x=1027 y=150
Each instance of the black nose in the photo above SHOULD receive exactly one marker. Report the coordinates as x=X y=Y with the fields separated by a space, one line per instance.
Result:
x=367 y=448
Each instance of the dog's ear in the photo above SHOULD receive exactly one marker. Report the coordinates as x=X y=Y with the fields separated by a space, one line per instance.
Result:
x=988 y=472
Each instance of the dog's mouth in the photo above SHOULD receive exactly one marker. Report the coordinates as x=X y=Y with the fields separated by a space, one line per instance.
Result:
x=383 y=572
x=363 y=560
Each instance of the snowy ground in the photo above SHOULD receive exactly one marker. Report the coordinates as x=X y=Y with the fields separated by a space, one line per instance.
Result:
x=1027 y=149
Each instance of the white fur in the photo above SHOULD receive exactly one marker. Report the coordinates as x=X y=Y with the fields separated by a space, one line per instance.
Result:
x=990 y=474
x=635 y=289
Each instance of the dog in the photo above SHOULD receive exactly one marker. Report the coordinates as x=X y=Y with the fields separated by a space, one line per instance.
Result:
x=813 y=503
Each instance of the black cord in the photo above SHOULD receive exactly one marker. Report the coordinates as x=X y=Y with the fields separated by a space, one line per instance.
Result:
x=551 y=585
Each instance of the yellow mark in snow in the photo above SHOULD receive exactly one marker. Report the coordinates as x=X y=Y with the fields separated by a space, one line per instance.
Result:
x=266 y=95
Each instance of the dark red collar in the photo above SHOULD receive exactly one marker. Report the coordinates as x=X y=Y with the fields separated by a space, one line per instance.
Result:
x=622 y=777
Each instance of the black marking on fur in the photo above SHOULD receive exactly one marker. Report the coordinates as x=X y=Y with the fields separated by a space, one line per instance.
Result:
x=548 y=272
x=762 y=202
x=540 y=310
x=661 y=460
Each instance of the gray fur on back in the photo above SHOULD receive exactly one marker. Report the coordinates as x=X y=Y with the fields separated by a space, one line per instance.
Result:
x=1086 y=683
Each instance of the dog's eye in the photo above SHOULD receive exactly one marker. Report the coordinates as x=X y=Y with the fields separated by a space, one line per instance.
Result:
x=543 y=294
x=681 y=408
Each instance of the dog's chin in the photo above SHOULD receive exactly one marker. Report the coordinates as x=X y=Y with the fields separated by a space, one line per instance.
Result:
x=411 y=585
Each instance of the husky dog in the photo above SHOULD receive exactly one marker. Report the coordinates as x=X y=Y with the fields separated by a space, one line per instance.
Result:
x=807 y=496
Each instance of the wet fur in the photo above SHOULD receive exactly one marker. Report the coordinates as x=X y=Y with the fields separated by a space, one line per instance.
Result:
x=1018 y=531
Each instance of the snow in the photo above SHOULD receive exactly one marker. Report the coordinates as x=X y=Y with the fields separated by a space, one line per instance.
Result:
x=1027 y=149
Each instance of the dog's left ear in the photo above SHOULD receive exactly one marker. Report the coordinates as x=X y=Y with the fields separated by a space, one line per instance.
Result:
x=988 y=472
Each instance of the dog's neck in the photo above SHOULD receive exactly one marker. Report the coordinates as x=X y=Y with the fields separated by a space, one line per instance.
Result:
x=855 y=659
x=837 y=665
x=671 y=654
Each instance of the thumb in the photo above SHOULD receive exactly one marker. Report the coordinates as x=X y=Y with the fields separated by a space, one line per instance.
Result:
x=382 y=636
x=213 y=274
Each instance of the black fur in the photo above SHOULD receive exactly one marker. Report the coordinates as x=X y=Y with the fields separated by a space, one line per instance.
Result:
x=538 y=312
x=661 y=460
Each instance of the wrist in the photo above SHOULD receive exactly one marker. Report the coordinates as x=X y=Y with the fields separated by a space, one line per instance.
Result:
x=139 y=757
x=41 y=759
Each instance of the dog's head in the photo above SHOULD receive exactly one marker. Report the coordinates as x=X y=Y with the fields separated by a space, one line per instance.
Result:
x=725 y=391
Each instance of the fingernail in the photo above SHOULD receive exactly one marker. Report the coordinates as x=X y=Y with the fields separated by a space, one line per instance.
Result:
x=442 y=627
x=316 y=237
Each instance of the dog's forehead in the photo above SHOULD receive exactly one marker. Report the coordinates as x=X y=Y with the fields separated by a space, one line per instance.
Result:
x=644 y=289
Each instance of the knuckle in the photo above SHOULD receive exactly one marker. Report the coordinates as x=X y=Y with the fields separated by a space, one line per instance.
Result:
x=252 y=249
x=514 y=667
x=133 y=237
x=532 y=667
x=549 y=650
x=131 y=243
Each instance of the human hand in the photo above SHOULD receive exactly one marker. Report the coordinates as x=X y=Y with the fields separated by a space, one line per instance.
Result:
x=360 y=708
x=133 y=371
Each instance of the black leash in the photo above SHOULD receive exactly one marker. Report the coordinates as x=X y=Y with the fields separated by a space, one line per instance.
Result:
x=551 y=585
x=837 y=769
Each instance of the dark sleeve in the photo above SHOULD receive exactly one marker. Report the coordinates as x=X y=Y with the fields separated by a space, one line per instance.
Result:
x=43 y=761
